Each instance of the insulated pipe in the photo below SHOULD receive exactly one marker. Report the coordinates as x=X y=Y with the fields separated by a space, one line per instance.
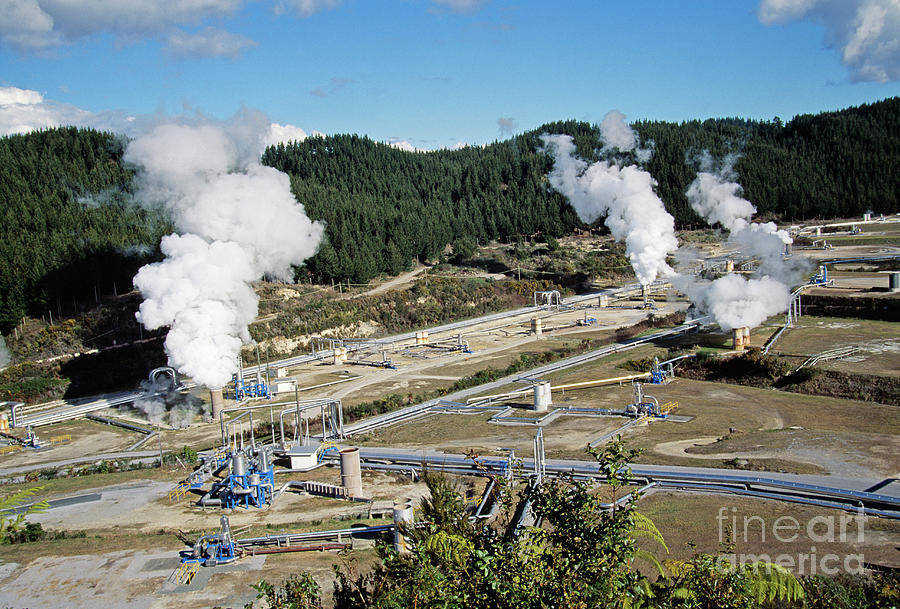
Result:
x=581 y=385
x=12 y=411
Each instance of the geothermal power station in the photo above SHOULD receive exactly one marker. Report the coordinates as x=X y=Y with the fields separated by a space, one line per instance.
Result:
x=268 y=463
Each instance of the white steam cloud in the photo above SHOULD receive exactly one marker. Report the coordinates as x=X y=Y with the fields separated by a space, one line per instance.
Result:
x=163 y=403
x=238 y=221
x=718 y=199
x=733 y=300
x=618 y=135
x=625 y=197
x=738 y=302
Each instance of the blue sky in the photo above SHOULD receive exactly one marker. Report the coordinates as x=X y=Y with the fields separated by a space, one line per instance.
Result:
x=434 y=73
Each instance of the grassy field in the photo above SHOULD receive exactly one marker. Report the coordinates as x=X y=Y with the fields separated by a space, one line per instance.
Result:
x=686 y=519
x=767 y=429
x=879 y=342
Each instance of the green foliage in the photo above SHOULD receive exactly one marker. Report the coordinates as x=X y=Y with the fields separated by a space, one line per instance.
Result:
x=828 y=165
x=30 y=383
x=464 y=247
x=33 y=531
x=70 y=227
x=67 y=223
x=581 y=556
x=300 y=591
x=189 y=455
x=12 y=516
x=878 y=591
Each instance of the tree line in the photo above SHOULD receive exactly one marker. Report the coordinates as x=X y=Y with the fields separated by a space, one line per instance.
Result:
x=71 y=231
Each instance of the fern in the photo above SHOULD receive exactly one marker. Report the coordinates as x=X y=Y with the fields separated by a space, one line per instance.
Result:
x=644 y=527
x=10 y=519
x=769 y=581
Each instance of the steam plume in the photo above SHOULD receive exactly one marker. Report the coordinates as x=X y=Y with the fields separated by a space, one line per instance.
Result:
x=162 y=402
x=618 y=135
x=718 y=198
x=238 y=221
x=624 y=195
x=733 y=300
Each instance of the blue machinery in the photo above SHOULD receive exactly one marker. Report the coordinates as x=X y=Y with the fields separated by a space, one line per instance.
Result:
x=223 y=547
x=244 y=390
x=250 y=478
x=643 y=404
x=821 y=277
x=212 y=550
x=659 y=373
x=250 y=481
x=247 y=390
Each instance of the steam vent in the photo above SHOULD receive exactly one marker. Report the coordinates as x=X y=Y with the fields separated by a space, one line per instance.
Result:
x=218 y=403
x=740 y=338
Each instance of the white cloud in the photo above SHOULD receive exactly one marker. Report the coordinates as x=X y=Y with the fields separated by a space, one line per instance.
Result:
x=306 y=8
x=26 y=26
x=25 y=110
x=867 y=32
x=402 y=145
x=208 y=42
x=285 y=133
x=462 y=6
x=15 y=95
x=35 y=25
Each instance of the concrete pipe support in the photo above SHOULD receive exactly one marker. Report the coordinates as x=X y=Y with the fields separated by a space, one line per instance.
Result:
x=542 y=397
x=403 y=515
x=351 y=476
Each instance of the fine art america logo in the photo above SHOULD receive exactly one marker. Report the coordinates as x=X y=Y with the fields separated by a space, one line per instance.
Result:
x=740 y=530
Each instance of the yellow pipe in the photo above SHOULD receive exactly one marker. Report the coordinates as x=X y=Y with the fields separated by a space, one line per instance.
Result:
x=600 y=382
x=582 y=385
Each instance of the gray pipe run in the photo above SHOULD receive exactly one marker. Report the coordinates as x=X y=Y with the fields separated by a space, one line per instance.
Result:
x=774 y=487
x=334 y=408
x=122 y=424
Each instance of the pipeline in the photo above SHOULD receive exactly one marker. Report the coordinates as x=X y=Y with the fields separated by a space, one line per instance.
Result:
x=581 y=385
x=142 y=441
x=774 y=486
x=122 y=424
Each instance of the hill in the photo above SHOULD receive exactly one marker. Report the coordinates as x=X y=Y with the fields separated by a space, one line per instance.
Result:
x=71 y=234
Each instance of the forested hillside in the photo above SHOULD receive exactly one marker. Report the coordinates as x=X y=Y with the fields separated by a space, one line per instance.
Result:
x=385 y=206
x=69 y=230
